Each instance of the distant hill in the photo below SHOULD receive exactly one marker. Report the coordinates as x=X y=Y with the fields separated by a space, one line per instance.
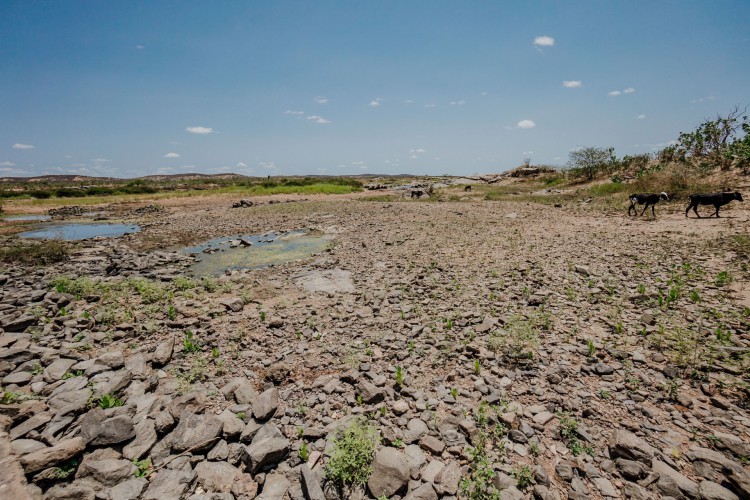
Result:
x=84 y=179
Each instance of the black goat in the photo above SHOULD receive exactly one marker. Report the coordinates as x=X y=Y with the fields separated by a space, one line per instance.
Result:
x=468 y=187
x=648 y=199
x=417 y=193
x=718 y=200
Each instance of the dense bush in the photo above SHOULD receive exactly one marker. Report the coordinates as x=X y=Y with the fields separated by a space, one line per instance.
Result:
x=589 y=162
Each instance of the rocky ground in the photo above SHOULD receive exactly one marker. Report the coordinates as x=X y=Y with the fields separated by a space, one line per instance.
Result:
x=485 y=350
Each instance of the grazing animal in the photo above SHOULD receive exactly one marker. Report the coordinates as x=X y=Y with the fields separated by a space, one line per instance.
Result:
x=468 y=187
x=647 y=199
x=718 y=200
x=416 y=193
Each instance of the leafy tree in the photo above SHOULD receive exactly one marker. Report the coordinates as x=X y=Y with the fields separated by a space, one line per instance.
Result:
x=588 y=162
x=716 y=143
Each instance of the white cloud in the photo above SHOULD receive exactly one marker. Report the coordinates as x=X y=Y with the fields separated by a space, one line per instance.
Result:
x=641 y=117
x=572 y=84
x=318 y=119
x=430 y=105
x=321 y=100
x=100 y=160
x=295 y=113
x=457 y=103
x=417 y=151
x=526 y=124
x=200 y=130
x=22 y=146
x=628 y=90
x=241 y=164
x=544 y=41
x=7 y=164
x=375 y=102
x=414 y=157
x=140 y=47
x=409 y=101
x=172 y=155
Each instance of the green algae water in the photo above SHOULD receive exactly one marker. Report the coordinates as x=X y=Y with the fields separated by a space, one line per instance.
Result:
x=254 y=251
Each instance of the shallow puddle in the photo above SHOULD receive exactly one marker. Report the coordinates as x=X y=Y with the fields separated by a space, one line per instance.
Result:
x=75 y=231
x=254 y=251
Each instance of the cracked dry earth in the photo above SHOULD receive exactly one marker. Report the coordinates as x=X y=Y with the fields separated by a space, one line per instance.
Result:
x=500 y=350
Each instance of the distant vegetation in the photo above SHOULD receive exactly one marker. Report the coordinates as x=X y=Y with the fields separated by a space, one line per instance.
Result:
x=721 y=144
x=248 y=185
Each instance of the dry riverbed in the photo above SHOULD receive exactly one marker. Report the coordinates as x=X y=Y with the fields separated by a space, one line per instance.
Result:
x=496 y=348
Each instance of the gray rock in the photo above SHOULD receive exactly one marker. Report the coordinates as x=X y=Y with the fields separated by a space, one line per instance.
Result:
x=57 y=369
x=370 y=393
x=145 y=438
x=98 y=430
x=216 y=476
x=170 y=485
x=687 y=488
x=266 y=404
x=711 y=491
x=265 y=450
x=26 y=446
x=274 y=487
x=108 y=472
x=70 y=492
x=625 y=444
x=48 y=457
x=128 y=490
x=632 y=470
x=424 y=492
x=196 y=432
x=432 y=444
x=310 y=484
x=163 y=353
x=390 y=473
x=605 y=487
x=446 y=481
x=233 y=426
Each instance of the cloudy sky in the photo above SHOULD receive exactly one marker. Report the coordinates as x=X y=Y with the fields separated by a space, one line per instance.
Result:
x=347 y=87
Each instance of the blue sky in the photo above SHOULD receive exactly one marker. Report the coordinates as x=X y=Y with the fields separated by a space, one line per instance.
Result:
x=298 y=87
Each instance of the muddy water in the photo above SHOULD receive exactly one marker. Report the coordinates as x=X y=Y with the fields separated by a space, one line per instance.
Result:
x=254 y=251
x=26 y=218
x=76 y=231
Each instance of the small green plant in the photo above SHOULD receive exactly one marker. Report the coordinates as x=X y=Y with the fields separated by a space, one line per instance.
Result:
x=10 y=398
x=351 y=458
x=410 y=346
x=37 y=369
x=454 y=393
x=591 y=348
x=695 y=296
x=723 y=279
x=189 y=342
x=619 y=328
x=399 y=376
x=263 y=315
x=398 y=443
x=142 y=467
x=215 y=352
x=672 y=388
x=241 y=415
x=109 y=401
x=72 y=374
x=66 y=469
x=304 y=454
x=569 y=433
x=524 y=477
x=477 y=367
x=534 y=448
x=171 y=313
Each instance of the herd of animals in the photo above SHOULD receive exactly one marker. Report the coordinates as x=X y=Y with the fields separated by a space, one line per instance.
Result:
x=718 y=200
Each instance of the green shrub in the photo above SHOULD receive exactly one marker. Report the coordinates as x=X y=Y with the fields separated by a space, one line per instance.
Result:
x=353 y=452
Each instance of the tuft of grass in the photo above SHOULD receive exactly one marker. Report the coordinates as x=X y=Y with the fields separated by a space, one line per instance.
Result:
x=48 y=252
